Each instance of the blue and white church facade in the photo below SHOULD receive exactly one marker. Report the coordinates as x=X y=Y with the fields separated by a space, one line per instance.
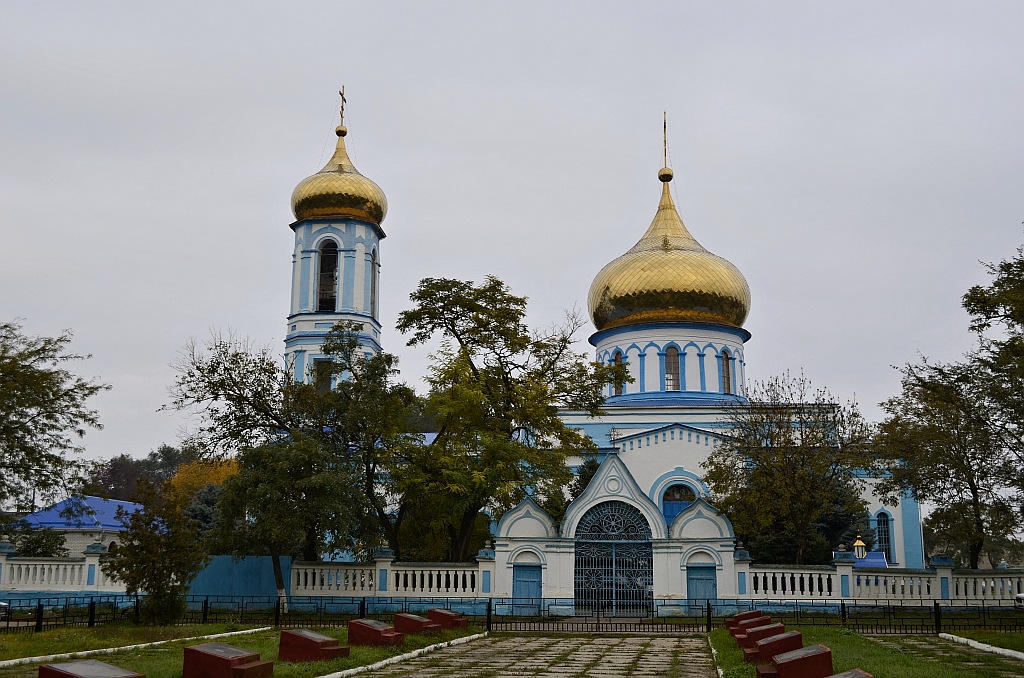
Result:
x=673 y=313
x=336 y=260
x=668 y=309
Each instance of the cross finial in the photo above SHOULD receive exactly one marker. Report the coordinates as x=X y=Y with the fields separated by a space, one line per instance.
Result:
x=342 y=93
x=664 y=138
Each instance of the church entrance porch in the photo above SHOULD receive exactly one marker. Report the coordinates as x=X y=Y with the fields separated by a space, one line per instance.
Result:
x=614 y=571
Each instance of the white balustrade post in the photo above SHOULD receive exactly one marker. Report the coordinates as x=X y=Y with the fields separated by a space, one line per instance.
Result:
x=741 y=562
x=485 y=568
x=844 y=573
x=383 y=559
x=943 y=566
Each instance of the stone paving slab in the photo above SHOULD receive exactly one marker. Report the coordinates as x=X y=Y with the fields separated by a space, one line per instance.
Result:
x=564 y=657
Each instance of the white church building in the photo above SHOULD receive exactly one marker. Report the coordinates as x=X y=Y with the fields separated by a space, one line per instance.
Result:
x=669 y=309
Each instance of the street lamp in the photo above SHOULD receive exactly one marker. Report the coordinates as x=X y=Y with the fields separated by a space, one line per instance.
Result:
x=860 y=549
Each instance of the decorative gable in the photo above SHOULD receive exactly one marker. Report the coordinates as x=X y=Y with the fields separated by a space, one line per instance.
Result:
x=700 y=521
x=613 y=482
x=526 y=521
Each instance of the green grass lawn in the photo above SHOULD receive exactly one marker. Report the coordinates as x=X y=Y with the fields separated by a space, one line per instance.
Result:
x=26 y=643
x=852 y=650
x=164 y=661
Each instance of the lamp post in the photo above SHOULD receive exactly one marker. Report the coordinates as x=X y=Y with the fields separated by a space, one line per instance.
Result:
x=860 y=549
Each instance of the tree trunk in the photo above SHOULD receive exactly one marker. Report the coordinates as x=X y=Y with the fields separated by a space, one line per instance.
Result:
x=310 y=551
x=461 y=547
x=977 y=540
x=282 y=598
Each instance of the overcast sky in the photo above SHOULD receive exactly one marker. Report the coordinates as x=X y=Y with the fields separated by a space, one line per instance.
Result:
x=856 y=161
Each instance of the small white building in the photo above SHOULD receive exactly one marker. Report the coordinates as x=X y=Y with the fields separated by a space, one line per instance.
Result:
x=84 y=521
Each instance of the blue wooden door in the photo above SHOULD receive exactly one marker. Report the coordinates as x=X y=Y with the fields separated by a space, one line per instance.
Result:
x=526 y=589
x=701 y=582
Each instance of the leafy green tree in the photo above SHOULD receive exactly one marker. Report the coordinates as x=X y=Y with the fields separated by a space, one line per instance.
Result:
x=202 y=508
x=43 y=412
x=792 y=456
x=281 y=493
x=837 y=525
x=944 y=537
x=118 y=477
x=368 y=419
x=247 y=401
x=34 y=542
x=949 y=452
x=159 y=555
x=241 y=396
x=495 y=390
x=999 y=361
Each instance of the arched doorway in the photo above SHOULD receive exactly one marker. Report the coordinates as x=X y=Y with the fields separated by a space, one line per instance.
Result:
x=614 y=571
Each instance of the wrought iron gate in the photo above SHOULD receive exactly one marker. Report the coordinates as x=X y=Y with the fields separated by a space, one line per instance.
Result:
x=614 y=568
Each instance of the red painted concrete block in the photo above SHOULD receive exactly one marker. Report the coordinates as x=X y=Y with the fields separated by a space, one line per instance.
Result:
x=88 y=668
x=741 y=628
x=413 y=623
x=813 y=661
x=766 y=648
x=756 y=633
x=218 y=660
x=734 y=621
x=303 y=645
x=447 y=619
x=372 y=632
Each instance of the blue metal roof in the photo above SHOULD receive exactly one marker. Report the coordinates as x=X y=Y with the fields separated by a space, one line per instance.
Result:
x=82 y=513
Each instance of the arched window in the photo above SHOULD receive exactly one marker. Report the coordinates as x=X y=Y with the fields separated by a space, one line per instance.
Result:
x=112 y=548
x=327 y=284
x=323 y=375
x=617 y=360
x=726 y=372
x=672 y=369
x=676 y=498
x=883 y=531
x=373 y=284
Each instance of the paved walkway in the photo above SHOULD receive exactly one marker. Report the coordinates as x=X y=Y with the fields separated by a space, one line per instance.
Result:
x=563 y=657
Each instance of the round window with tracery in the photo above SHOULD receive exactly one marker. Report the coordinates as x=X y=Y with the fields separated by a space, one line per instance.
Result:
x=613 y=521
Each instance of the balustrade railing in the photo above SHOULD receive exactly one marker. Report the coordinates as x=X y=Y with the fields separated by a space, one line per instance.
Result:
x=986 y=585
x=783 y=582
x=55 y=574
x=385 y=578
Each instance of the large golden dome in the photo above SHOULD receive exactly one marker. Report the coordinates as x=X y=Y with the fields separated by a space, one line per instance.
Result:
x=339 y=190
x=668 y=277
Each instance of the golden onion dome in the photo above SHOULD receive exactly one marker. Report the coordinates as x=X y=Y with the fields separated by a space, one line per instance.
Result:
x=668 y=277
x=339 y=190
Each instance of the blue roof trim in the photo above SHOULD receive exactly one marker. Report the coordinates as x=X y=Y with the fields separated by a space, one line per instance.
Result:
x=666 y=427
x=650 y=399
x=82 y=513
x=597 y=337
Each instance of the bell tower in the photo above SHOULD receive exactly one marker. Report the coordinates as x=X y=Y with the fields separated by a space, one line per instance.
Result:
x=336 y=258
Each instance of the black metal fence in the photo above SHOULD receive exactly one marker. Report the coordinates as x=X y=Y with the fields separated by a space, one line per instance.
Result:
x=525 y=614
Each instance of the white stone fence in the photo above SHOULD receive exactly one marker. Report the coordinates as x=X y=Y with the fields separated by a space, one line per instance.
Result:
x=56 y=574
x=394 y=580
x=386 y=578
x=842 y=581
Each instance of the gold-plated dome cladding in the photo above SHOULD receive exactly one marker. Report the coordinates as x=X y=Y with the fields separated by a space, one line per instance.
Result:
x=339 y=190
x=668 y=277
x=665 y=174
